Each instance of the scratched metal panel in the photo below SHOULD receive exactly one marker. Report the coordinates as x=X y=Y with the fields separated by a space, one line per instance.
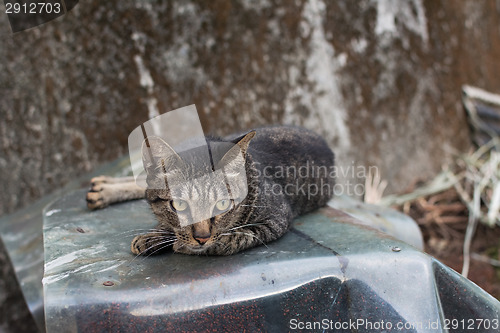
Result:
x=93 y=283
x=22 y=232
x=22 y=235
x=325 y=268
x=387 y=220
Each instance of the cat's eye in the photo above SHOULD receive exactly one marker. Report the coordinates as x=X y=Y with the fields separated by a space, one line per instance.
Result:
x=179 y=205
x=223 y=205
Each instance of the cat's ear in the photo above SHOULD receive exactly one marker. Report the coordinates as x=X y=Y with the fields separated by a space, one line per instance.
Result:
x=240 y=145
x=244 y=140
x=157 y=153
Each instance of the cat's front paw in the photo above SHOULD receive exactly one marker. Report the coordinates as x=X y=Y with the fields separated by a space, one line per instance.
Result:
x=97 y=196
x=105 y=191
x=148 y=244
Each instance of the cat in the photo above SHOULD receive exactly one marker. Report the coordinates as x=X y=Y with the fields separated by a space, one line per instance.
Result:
x=287 y=173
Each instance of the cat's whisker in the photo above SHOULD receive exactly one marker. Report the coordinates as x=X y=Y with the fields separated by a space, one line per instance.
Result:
x=137 y=232
x=181 y=246
x=157 y=237
x=163 y=245
x=223 y=245
x=253 y=206
x=247 y=225
x=141 y=254
x=245 y=233
x=144 y=229
x=162 y=237
x=133 y=233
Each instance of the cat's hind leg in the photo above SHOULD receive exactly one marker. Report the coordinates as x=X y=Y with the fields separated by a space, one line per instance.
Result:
x=106 y=190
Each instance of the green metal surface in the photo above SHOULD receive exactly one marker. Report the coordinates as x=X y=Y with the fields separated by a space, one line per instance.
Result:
x=329 y=266
x=326 y=267
x=22 y=235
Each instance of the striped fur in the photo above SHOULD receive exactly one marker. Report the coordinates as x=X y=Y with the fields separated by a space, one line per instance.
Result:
x=288 y=173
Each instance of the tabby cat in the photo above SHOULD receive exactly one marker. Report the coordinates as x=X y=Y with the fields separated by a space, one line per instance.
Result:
x=287 y=172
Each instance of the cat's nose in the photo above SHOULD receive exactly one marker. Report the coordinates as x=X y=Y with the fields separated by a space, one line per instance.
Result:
x=202 y=240
x=201 y=231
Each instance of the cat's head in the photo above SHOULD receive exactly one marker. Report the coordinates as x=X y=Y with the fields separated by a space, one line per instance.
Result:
x=196 y=192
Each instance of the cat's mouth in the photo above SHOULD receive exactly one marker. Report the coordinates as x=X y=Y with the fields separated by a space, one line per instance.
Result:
x=198 y=249
x=194 y=246
x=201 y=246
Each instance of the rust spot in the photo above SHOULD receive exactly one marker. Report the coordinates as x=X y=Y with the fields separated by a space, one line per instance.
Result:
x=108 y=284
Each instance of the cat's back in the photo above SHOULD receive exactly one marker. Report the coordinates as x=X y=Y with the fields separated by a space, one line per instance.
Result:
x=296 y=163
x=287 y=143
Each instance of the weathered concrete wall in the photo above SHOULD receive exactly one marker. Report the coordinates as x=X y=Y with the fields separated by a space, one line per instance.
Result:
x=380 y=79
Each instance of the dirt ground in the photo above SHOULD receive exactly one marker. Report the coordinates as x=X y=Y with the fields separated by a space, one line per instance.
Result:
x=443 y=220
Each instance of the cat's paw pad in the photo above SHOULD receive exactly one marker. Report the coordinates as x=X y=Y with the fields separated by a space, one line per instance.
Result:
x=147 y=244
x=97 y=195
